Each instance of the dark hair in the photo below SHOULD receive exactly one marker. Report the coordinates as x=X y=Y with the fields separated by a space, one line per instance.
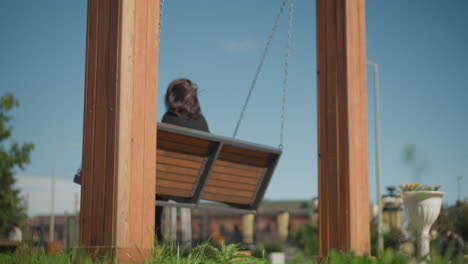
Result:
x=181 y=97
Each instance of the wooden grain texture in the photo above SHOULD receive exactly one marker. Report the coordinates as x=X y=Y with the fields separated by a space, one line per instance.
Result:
x=126 y=102
x=245 y=152
x=177 y=173
x=174 y=183
x=167 y=136
x=137 y=124
x=183 y=147
x=237 y=172
x=248 y=160
x=230 y=164
x=106 y=226
x=342 y=151
x=99 y=124
x=342 y=124
x=119 y=143
x=196 y=158
x=357 y=109
x=176 y=169
x=173 y=192
x=226 y=198
x=178 y=162
x=239 y=185
x=151 y=98
x=232 y=178
x=226 y=190
x=88 y=125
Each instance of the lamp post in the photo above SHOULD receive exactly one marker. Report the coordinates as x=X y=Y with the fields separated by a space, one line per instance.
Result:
x=380 y=243
x=52 y=197
x=52 y=191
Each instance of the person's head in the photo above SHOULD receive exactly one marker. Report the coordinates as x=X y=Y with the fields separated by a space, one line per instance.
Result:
x=447 y=233
x=14 y=225
x=181 y=97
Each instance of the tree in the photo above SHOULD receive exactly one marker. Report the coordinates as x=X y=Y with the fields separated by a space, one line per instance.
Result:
x=454 y=218
x=12 y=157
x=307 y=239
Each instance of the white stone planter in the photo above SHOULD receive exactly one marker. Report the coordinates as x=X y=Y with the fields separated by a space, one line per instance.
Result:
x=277 y=258
x=423 y=208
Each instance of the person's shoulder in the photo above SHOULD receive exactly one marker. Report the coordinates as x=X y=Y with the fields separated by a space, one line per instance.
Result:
x=201 y=117
x=168 y=116
x=203 y=123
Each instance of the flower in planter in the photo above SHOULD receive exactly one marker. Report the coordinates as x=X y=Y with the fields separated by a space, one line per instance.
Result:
x=415 y=187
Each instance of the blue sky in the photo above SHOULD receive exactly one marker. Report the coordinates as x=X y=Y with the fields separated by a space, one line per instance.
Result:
x=419 y=45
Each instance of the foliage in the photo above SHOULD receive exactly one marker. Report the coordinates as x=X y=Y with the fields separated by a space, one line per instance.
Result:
x=12 y=157
x=265 y=249
x=339 y=257
x=392 y=239
x=307 y=240
x=415 y=187
x=460 y=214
x=454 y=218
x=387 y=257
x=374 y=238
x=170 y=253
x=299 y=258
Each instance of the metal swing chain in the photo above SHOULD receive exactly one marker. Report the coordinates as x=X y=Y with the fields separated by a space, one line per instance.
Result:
x=286 y=72
x=259 y=68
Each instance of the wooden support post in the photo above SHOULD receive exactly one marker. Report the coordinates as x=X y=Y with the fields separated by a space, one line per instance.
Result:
x=342 y=124
x=119 y=138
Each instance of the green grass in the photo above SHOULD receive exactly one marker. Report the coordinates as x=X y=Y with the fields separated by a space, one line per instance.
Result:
x=172 y=253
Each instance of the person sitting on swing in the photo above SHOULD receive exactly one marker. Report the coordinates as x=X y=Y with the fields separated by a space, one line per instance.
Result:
x=182 y=109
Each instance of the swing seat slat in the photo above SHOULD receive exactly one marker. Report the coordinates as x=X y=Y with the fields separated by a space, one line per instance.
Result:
x=193 y=165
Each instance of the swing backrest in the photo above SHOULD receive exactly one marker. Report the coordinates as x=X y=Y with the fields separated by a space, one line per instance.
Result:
x=194 y=165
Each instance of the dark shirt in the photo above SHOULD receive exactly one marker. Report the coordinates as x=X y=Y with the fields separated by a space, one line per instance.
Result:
x=184 y=120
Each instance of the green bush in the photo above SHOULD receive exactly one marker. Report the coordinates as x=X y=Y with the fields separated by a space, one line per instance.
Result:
x=307 y=240
x=392 y=239
x=169 y=253
x=263 y=250
x=299 y=258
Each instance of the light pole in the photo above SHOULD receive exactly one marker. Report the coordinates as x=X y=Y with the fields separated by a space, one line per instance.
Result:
x=380 y=243
x=52 y=191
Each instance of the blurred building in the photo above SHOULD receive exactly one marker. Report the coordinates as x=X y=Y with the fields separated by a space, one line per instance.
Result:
x=392 y=212
x=274 y=221
x=65 y=230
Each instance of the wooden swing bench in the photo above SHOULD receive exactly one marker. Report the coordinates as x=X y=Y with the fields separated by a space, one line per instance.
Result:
x=193 y=165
